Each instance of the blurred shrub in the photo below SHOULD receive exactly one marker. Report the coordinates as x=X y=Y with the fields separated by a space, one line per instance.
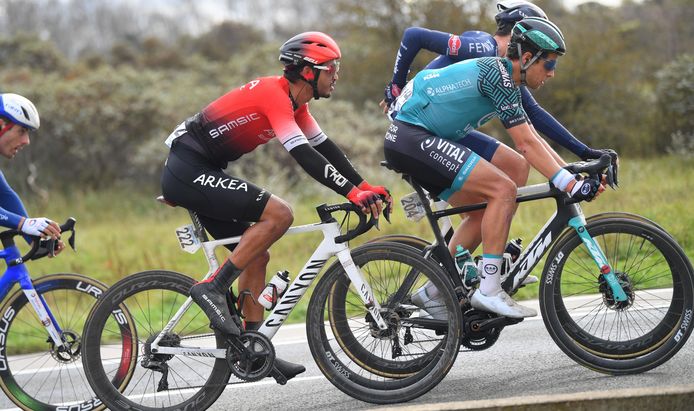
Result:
x=675 y=96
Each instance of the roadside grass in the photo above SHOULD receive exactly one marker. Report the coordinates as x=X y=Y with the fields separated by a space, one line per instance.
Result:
x=120 y=232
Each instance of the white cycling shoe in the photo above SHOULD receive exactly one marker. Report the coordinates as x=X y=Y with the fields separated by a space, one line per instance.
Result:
x=434 y=308
x=501 y=304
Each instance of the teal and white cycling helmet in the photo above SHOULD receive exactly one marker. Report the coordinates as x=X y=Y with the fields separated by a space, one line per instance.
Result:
x=538 y=36
x=19 y=110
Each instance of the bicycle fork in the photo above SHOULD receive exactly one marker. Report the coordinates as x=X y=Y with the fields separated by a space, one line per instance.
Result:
x=578 y=223
x=44 y=315
x=362 y=287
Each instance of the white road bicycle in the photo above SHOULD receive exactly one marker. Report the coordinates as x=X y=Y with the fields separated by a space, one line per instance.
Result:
x=180 y=365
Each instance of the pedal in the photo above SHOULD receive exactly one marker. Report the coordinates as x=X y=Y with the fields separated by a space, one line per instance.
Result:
x=278 y=376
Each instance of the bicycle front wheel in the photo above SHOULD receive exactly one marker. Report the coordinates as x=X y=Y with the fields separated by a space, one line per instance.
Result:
x=610 y=336
x=408 y=358
x=159 y=381
x=34 y=373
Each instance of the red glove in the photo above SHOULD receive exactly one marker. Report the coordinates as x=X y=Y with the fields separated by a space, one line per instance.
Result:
x=380 y=190
x=362 y=198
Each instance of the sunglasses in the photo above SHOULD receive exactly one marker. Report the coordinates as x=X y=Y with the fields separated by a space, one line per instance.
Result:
x=550 y=64
x=331 y=68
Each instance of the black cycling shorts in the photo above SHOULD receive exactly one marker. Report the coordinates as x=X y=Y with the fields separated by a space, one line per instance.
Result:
x=226 y=205
x=441 y=166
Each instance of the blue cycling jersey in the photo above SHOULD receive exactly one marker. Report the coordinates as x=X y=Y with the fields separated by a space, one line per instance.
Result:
x=11 y=207
x=452 y=48
x=475 y=44
x=452 y=101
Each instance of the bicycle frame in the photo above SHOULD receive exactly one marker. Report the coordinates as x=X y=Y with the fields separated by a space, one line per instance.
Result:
x=568 y=214
x=296 y=290
x=17 y=273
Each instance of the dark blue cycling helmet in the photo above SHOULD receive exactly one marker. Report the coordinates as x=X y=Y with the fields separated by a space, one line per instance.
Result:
x=513 y=11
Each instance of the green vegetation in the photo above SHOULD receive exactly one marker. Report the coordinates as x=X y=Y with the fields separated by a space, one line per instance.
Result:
x=110 y=88
x=121 y=232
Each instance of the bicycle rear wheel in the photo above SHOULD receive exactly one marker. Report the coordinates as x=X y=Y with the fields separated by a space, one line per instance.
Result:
x=160 y=381
x=34 y=373
x=606 y=335
x=384 y=366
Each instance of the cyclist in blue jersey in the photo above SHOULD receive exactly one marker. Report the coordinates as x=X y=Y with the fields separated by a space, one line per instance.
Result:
x=428 y=139
x=18 y=116
x=473 y=44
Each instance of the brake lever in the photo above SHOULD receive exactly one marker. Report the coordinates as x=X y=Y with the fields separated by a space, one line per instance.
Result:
x=71 y=240
x=610 y=178
x=51 y=247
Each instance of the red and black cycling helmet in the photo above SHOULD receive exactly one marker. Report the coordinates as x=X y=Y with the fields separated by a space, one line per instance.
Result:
x=513 y=11
x=311 y=47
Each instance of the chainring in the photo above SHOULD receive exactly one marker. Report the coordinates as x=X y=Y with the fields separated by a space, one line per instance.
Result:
x=251 y=356
x=474 y=339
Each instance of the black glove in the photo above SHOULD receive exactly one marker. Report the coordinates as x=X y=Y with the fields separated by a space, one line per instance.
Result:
x=585 y=190
x=593 y=154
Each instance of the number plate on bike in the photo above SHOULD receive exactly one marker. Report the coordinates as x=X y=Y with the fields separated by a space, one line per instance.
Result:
x=412 y=204
x=187 y=239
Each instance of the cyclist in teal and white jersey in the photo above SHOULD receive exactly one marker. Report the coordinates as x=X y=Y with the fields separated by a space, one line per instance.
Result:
x=438 y=108
x=454 y=48
x=18 y=116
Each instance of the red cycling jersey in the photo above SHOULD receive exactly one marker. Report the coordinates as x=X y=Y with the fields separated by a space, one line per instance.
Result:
x=246 y=117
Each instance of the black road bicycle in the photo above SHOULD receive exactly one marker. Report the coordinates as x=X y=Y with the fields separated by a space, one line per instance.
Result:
x=616 y=292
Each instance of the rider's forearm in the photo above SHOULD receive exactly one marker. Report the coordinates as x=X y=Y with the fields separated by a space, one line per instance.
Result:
x=9 y=219
x=337 y=157
x=545 y=123
x=551 y=151
x=320 y=169
x=531 y=147
x=413 y=40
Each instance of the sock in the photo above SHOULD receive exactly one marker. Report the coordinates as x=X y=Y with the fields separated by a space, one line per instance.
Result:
x=225 y=276
x=491 y=274
x=252 y=325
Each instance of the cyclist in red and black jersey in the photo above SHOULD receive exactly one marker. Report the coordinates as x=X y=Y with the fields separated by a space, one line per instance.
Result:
x=236 y=124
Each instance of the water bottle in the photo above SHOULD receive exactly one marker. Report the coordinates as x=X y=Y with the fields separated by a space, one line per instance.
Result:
x=274 y=290
x=467 y=269
x=511 y=253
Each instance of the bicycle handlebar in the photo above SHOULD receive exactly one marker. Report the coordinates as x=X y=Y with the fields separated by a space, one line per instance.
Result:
x=607 y=164
x=325 y=213
x=6 y=237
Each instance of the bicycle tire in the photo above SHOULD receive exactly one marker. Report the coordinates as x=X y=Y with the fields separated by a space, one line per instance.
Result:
x=383 y=264
x=411 y=240
x=166 y=291
x=598 y=343
x=45 y=378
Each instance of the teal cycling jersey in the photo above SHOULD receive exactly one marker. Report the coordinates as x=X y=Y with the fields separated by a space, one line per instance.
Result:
x=452 y=101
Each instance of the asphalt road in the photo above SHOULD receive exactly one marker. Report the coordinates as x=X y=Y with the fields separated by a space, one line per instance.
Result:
x=524 y=362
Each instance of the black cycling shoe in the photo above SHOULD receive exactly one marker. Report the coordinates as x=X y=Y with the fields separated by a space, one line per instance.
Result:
x=288 y=369
x=214 y=304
